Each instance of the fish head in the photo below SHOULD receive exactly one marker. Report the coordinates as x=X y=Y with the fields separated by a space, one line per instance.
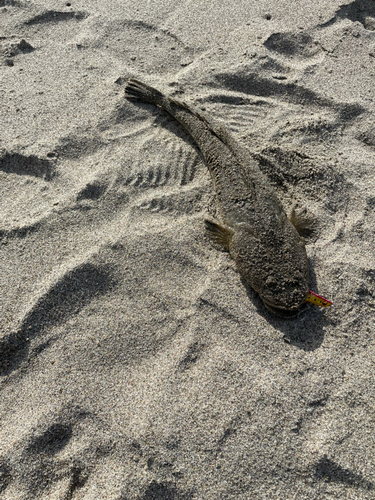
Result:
x=274 y=265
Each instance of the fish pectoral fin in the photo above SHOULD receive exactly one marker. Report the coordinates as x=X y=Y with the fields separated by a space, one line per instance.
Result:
x=302 y=220
x=220 y=234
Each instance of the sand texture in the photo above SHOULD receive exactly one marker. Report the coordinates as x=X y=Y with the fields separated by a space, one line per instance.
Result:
x=134 y=362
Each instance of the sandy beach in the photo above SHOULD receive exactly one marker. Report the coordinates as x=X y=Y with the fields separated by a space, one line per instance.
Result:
x=135 y=363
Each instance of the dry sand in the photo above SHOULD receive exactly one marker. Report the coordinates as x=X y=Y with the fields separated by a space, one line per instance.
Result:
x=134 y=362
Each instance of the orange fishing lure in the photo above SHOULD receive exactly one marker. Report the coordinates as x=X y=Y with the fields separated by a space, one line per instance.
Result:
x=318 y=299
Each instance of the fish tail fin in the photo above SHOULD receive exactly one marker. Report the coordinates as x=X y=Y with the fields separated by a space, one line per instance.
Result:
x=137 y=90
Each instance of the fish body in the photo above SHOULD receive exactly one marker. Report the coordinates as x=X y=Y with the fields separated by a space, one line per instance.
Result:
x=267 y=248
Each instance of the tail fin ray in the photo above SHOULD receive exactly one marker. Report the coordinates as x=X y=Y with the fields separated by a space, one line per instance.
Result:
x=137 y=90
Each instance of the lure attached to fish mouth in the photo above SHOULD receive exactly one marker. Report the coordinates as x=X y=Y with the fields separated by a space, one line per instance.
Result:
x=265 y=244
x=314 y=298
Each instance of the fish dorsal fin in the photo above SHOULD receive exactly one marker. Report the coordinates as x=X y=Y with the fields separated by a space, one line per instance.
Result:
x=220 y=234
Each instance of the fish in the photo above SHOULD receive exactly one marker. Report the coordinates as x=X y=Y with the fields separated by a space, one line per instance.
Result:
x=265 y=243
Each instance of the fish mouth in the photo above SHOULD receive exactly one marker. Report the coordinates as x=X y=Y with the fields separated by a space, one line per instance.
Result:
x=282 y=311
